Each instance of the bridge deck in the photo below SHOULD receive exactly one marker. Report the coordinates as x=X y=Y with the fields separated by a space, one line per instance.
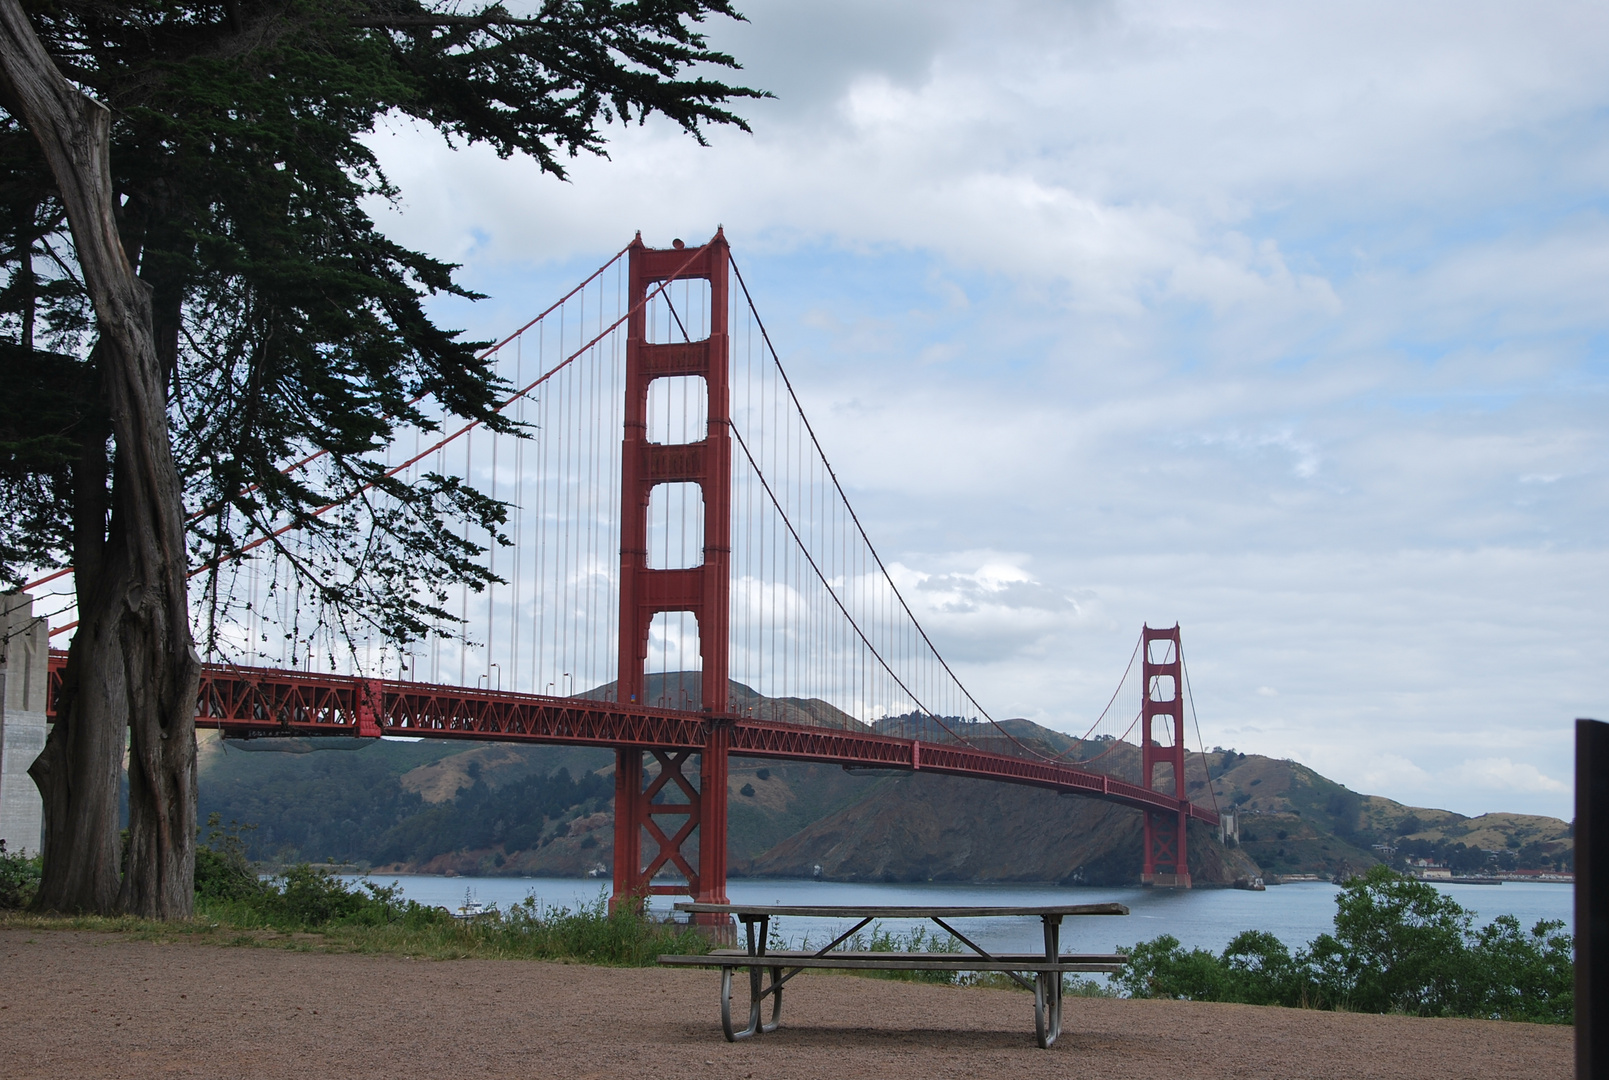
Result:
x=249 y=702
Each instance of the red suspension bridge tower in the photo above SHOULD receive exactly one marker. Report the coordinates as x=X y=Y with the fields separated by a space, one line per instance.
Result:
x=702 y=590
x=1162 y=750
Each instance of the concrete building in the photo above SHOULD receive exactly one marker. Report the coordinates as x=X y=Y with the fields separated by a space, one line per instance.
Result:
x=24 y=678
x=1228 y=825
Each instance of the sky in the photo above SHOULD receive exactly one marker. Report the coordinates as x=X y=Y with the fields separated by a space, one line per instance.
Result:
x=1286 y=323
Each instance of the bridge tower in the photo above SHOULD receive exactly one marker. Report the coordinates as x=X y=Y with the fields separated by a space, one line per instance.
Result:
x=1162 y=751
x=703 y=590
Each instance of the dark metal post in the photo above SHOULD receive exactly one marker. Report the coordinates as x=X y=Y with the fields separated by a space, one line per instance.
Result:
x=1591 y=900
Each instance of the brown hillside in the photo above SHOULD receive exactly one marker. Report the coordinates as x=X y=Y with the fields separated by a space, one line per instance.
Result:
x=498 y=764
x=682 y=690
x=766 y=802
x=939 y=828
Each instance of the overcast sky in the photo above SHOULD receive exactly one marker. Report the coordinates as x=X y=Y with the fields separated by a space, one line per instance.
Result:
x=1286 y=324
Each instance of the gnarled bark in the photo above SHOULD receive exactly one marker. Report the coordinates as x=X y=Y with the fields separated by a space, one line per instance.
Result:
x=132 y=661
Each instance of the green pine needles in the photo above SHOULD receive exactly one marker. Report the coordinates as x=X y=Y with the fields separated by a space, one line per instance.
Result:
x=286 y=321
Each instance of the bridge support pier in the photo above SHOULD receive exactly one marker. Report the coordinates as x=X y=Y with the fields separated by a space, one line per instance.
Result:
x=675 y=814
x=1167 y=862
x=703 y=590
x=1165 y=852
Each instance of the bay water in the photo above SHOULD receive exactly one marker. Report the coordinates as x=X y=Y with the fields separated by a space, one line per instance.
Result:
x=1199 y=918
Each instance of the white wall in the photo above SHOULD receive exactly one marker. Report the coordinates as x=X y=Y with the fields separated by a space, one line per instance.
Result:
x=24 y=675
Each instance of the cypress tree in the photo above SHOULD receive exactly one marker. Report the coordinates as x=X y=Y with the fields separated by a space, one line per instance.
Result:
x=193 y=295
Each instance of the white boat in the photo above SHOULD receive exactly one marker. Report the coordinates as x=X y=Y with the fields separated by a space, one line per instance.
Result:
x=471 y=908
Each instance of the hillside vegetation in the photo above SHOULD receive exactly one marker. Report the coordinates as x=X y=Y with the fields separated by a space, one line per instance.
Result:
x=484 y=809
x=499 y=808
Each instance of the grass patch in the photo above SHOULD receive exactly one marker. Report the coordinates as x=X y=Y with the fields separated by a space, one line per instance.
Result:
x=590 y=934
x=309 y=909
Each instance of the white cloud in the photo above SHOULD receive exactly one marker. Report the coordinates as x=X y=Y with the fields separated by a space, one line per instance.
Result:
x=1285 y=322
x=1499 y=774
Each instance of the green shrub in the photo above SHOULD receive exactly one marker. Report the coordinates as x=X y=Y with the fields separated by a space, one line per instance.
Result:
x=19 y=878
x=311 y=898
x=1259 y=970
x=1399 y=945
x=1527 y=976
x=222 y=870
x=591 y=933
x=376 y=918
x=1164 y=969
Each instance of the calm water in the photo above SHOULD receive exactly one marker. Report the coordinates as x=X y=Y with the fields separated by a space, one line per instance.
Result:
x=1205 y=918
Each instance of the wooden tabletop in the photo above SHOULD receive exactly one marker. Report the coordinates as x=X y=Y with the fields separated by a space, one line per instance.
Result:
x=856 y=911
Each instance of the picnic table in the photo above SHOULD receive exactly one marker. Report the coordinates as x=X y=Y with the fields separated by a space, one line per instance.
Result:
x=769 y=971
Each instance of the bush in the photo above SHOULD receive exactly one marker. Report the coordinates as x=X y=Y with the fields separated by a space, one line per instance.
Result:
x=19 y=878
x=1163 y=969
x=591 y=933
x=1527 y=976
x=222 y=870
x=1399 y=946
x=1260 y=970
x=306 y=896
x=372 y=917
x=310 y=898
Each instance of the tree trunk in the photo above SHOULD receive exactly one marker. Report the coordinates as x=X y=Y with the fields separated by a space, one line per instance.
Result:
x=132 y=661
x=78 y=770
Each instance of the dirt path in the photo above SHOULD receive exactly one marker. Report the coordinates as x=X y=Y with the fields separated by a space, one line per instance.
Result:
x=94 y=1005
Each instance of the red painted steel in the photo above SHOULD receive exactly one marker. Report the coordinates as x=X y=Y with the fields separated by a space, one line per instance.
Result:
x=702 y=590
x=259 y=702
x=1162 y=690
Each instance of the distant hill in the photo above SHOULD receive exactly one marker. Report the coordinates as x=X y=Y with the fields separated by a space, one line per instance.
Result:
x=1297 y=821
x=488 y=808
x=684 y=690
x=922 y=827
x=503 y=808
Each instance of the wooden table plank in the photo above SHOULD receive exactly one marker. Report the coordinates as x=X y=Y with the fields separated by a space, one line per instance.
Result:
x=850 y=911
x=865 y=963
x=891 y=957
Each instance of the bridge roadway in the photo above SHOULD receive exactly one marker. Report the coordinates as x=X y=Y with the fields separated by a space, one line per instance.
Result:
x=247 y=702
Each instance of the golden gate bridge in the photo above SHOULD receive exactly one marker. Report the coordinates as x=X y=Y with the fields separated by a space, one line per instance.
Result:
x=681 y=578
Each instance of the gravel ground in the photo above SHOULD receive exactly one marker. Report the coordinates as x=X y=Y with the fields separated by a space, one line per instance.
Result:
x=94 y=1005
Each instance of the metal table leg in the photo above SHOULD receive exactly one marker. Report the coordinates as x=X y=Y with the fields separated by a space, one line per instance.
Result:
x=758 y=991
x=1048 y=988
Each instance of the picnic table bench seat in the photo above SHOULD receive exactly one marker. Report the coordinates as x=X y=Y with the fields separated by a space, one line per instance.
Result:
x=854 y=959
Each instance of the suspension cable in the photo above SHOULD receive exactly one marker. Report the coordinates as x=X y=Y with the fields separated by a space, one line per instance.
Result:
x=310 y=458
x=1196 y=720
x=303 y=519
x=833 y=475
